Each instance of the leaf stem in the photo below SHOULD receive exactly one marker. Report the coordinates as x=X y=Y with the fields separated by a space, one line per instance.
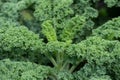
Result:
x=65 y=65
x=74 y=66
x=51 y=59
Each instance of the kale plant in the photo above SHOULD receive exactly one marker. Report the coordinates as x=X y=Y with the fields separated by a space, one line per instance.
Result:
x=59 y=40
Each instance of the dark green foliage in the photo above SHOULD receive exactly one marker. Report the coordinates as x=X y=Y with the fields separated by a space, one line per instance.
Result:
x=52 y=9
x=111 y=3
x=110 y=30
x=92 y=72
x=14 y=70
x=22 y=71
x=59 y=40
x=71 y=28
x=19 y=42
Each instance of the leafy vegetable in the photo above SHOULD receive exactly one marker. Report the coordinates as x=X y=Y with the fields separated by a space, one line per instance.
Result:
x=59 y=40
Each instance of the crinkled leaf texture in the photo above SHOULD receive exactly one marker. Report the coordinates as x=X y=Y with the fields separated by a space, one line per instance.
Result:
x=13 y=70
x=65 y=47
x=19 y=43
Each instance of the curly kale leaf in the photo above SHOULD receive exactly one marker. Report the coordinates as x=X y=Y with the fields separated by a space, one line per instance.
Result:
x=111 y=3
x=72 y=27
x=19 y=37
x=92 y=72
x=110 y=30
x=5 y=22
x=14 y=70
x=46 y=10
x=19 y=42
x=49 y=31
